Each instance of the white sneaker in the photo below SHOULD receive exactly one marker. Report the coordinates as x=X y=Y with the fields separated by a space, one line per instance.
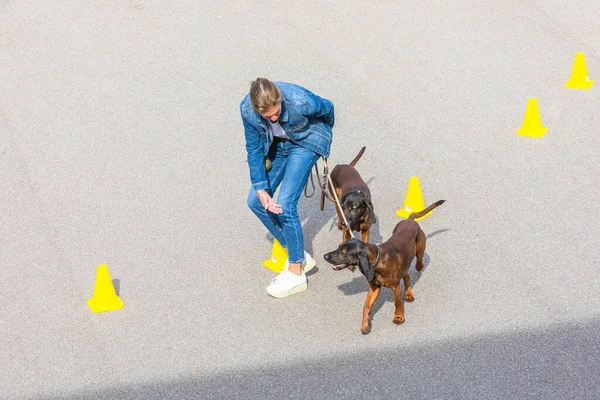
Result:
x=287 y=283
x=307 y=264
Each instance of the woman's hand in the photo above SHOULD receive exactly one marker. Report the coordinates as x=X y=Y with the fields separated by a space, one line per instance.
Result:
x=267 y=202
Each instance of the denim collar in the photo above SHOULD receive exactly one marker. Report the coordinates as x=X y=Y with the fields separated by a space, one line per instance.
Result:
x=284 y=117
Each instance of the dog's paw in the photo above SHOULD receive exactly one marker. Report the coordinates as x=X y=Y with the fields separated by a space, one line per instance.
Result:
x=398 y=319
x=408 y=294
x=366 y=325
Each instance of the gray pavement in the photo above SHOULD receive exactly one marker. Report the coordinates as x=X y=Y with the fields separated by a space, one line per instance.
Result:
x=121 y=143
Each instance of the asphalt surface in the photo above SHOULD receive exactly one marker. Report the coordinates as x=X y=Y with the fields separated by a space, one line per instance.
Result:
x=121 y=144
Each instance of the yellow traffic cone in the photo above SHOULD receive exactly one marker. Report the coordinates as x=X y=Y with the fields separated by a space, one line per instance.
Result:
x=105 y=298
x=413 y=201
x=532 y=125
x=278 y=257
x=579 y=76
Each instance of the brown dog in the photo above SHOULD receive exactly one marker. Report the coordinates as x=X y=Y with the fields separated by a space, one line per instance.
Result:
x=355 y=199
x=385 y=264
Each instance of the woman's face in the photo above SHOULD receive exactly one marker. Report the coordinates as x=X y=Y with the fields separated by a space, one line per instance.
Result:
x=273 y=113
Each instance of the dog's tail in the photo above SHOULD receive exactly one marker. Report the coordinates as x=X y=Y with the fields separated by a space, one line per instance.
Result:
x=358 y=156
x=427 y=210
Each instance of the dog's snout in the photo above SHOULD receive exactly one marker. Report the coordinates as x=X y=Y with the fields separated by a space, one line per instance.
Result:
x=327 y=257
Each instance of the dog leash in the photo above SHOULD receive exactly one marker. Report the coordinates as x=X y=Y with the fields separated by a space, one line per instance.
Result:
x=324 y=191
x=337 y=201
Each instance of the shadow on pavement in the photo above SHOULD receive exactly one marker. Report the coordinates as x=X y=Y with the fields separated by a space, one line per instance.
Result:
x=553 y=363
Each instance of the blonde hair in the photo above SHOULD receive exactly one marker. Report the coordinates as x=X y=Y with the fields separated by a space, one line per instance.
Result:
x=264 y=95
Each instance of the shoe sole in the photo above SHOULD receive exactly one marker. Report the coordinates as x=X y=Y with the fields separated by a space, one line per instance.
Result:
x=294 y=290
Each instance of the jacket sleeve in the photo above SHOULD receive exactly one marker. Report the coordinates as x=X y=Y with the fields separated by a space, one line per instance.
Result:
x=320 y=107
x=258 y=175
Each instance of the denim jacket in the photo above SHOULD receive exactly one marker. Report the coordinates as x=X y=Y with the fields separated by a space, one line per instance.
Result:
x=305 y=117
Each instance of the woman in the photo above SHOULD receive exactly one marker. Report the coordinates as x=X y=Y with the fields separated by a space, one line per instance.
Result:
x=287 y=129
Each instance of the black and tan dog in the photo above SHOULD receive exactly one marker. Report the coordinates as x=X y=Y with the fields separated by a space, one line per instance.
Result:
x=385 y=264
x=355 y=199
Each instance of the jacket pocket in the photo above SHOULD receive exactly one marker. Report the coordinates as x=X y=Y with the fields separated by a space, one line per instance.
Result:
x=321 y=129
x=297 y=124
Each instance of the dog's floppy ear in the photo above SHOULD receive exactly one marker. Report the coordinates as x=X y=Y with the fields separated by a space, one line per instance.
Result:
x=344 y=199
x=370 y=207
x=364 y=265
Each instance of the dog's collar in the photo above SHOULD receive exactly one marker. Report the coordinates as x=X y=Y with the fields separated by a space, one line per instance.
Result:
x=378 y=256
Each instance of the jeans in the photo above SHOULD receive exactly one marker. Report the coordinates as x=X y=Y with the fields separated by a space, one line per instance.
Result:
x=291 y=167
